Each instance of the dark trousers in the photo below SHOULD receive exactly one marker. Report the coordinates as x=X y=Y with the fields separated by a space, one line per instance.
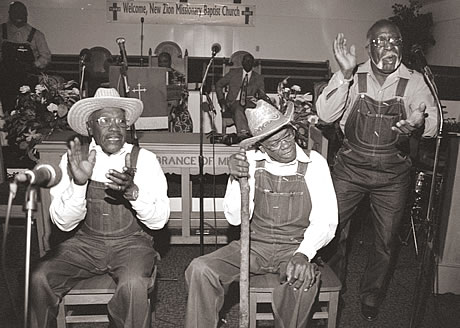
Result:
x=387 y=190
x=239 y=117
x=129 y=260
x=208 y=278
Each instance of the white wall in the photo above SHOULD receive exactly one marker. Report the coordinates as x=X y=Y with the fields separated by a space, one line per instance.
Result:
x=285 y=29
x=446 y=16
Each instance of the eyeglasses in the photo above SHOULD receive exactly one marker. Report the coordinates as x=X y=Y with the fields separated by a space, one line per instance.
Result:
x=105 y=122
x=273 y=146
x=381 y=42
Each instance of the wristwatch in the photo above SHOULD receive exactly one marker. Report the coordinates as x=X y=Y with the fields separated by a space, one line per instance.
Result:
x=131 y=193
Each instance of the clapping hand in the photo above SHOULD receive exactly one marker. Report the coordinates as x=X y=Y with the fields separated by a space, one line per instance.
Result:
x=121 y=181
x=346 y=58
x=80 y=164
x=415 y=120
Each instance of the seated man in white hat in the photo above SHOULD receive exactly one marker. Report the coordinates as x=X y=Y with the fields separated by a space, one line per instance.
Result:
x=293 y=213
x=111 y=193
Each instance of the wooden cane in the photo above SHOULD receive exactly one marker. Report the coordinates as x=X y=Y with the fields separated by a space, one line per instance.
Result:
x=244 y=238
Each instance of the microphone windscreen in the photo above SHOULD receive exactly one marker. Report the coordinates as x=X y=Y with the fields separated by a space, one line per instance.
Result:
x=216 y=48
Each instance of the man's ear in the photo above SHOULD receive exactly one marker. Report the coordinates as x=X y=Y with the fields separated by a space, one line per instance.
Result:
x=90 y=131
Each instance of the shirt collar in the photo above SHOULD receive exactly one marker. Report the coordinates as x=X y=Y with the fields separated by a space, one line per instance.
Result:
x=125 y=149
x=301 y=156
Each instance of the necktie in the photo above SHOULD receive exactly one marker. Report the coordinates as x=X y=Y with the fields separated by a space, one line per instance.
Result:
x=244 y=91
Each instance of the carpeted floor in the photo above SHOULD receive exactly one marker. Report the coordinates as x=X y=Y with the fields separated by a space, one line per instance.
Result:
x=441 y=310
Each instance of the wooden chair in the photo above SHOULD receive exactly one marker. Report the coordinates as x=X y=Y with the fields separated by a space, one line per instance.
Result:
x=98 y=69
x=94 y=291
x=326 y=307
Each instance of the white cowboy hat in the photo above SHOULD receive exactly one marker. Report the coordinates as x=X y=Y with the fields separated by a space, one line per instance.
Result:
x=264 y=120
x=104 y=97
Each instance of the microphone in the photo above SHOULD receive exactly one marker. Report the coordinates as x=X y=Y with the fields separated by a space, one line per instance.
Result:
x=121 y=44
x=85 y=55
x=43 y=175
x=419 y=56
x=215 y=49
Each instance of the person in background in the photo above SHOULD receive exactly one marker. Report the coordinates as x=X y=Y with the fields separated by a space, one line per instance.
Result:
x=23 y=51
x=179 y=119
x=242 y=83
x=111 y=194
x=380 y=104
x=293 y=213
x=174 y=76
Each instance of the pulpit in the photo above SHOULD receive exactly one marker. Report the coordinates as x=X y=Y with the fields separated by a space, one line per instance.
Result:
x=149 y=85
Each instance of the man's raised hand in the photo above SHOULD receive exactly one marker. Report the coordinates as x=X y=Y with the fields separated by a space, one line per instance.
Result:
x=80 y=164
x=346 y=58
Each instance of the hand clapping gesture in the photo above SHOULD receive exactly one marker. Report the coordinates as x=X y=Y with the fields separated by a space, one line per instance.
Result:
x=121 y=181
x=346 y=58
x=80 y=164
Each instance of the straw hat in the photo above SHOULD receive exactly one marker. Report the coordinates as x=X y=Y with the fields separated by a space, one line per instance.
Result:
x=264 y=120
x=105 y=97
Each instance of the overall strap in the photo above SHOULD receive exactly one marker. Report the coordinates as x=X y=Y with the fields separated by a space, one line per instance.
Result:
x=260 y=164
x=302 y=166
x=4 y=32
x=31 y=34
x=362 y=82
x=401 y=88
x=134 y=155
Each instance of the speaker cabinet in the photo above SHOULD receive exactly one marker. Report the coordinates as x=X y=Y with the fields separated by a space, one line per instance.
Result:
x=448 y=267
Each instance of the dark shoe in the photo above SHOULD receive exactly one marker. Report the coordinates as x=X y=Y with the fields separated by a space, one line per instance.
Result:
x=369 y=313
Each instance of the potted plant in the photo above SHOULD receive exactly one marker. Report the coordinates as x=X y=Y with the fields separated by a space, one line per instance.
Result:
x=38 y=113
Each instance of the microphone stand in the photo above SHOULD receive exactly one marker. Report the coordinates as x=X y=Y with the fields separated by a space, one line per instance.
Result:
x=82 y=77
x=142 y=41
x=30 y=204
x=200 y=157
x=126 y=89
x=431 y=231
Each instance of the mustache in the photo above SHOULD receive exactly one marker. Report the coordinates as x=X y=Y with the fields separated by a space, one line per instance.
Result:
x=389 y=54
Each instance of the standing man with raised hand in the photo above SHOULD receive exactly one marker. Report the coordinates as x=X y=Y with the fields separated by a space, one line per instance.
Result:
x=380 y=104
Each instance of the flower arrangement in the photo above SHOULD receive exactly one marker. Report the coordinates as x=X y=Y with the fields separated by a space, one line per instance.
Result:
x=304 y=114
x=39 y=112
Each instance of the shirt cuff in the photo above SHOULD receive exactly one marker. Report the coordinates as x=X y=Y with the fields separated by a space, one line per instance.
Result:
x=79 y=190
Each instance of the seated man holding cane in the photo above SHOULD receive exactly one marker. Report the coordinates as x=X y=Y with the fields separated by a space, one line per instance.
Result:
x=293 y=213
x=112 y=192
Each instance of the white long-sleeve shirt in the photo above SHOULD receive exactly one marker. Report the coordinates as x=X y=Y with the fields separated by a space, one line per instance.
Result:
x=68 y=200
x=323 y=216
x=337 y=99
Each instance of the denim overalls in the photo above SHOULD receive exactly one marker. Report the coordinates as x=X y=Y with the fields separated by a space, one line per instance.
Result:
x=281 y=215
x=371 y=163
x=110 y=240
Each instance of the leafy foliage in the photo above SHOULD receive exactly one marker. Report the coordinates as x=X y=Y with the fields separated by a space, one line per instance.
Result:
x=40 y=112
x=416 y=29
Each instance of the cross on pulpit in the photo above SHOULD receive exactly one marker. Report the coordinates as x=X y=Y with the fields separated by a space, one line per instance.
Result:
x=139 y=90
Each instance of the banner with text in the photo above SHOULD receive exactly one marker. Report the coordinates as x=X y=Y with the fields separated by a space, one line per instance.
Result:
x=180 y=13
